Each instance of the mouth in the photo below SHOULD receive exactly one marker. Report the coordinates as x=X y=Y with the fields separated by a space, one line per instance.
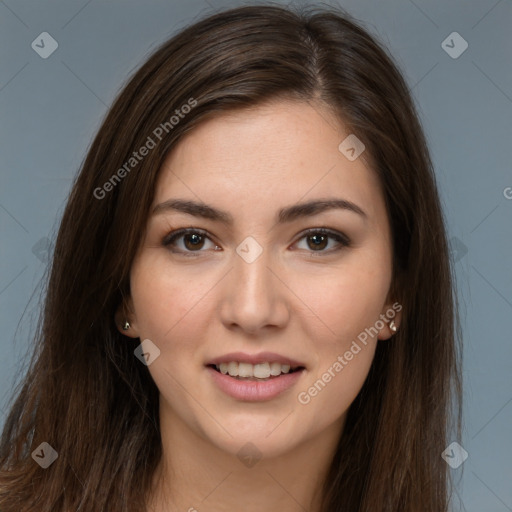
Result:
x=260 y=372
x=254 y=377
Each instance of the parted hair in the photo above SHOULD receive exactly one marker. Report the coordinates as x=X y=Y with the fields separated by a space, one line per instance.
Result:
x=86 y=394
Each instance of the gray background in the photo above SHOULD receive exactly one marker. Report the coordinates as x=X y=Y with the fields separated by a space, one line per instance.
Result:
x=50 y=109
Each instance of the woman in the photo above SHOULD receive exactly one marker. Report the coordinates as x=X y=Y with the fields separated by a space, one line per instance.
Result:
x=250 y=303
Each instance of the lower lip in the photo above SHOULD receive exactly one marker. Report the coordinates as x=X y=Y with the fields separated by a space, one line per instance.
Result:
x=252 y=390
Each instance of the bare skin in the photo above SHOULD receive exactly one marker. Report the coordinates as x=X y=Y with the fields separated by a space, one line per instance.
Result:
x=306 y=296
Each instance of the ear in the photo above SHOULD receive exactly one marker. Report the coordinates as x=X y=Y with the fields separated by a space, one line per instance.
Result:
x=124 y=314
x=391 y=315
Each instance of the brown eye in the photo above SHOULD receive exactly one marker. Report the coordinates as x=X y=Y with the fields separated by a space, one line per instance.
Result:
x=188 y=241
x=193 y=241
x=318 y=242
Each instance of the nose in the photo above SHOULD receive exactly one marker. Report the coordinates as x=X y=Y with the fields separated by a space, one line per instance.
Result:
x=254 y=297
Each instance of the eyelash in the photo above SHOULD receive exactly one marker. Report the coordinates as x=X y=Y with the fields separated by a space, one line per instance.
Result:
x=341 y=238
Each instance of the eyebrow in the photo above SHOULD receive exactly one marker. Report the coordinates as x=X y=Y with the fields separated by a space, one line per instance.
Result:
x=287 y=214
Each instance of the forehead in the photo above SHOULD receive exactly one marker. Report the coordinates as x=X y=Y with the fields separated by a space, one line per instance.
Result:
x=278 y=153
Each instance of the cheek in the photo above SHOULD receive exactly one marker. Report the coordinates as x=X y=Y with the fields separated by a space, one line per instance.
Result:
x=347 y=305
x=175 y=308
x=170 y=309
x=344 y=353
x=169 y=306
x=329 y=392
x=347 y=300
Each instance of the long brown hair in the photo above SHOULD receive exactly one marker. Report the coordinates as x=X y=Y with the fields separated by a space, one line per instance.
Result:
x=85 y=393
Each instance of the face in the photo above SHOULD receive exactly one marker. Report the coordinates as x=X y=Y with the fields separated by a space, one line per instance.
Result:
x=261 y=284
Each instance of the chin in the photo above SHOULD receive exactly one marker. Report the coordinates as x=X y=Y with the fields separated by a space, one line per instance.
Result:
x=268 y=436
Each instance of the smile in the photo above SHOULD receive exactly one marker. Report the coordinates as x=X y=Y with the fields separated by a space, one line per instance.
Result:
x=254 y=378
x=261 y=371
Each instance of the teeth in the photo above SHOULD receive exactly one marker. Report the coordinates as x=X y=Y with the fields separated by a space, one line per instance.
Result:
x=275 y=369
x=247 y=370
x=262 y=371
x=233 y=369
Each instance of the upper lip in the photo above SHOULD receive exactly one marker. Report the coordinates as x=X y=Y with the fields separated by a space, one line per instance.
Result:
x=261 y=357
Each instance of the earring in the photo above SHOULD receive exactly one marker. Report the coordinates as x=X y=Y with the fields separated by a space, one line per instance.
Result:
x=392 y=326
x=126 y=325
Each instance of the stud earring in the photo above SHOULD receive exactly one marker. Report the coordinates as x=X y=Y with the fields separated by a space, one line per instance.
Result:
x=126 y=325
x=392 y=326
